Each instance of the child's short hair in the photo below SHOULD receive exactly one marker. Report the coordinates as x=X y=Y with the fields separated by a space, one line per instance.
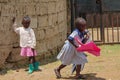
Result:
x=26 y=18
x=80 y=21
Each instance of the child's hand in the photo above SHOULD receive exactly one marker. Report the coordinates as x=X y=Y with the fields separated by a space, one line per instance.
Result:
x=32 y=49
x=76 y=46
x=13 y=20
x=84 y=40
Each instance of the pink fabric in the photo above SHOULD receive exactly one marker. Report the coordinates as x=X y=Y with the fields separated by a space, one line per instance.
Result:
x=89 y=47
x=27 y=51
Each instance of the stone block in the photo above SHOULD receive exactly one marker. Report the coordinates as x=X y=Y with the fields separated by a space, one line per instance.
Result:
x=56 y=40
x=20 y=9
x=41 y=34
x=30 y=9
x=60 y=5
x=64 y=36
x=19 y=20
x=49 y=33
x=6 y=38
x=49 y=43
x=36 y=33
x=52 y=19
x=13 y=2
x=14 y=38
x=14 y=56
x=4 y=53
x=56 y=30
x=24 y=1
x=42 y=21
x=41 y=1
x=52 y=42
x=62 y=27
x=53 y=0
x=64 y=6
x=61 y=17
x=42 y=8
x=51 y=7
x=60 y=39
x=16 y=44
x=33 y=23
x=5 y=23
x=41 y=46
x=4 y=1
x=8 y=10
x=0 y=7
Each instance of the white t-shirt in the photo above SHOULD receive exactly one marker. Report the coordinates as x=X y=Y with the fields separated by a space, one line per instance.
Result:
x=27 y=36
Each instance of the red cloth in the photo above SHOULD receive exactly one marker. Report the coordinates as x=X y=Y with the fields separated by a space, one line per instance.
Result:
x=89 y=47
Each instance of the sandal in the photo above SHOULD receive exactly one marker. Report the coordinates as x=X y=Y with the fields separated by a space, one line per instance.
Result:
x=80 y=77
x=57 y=73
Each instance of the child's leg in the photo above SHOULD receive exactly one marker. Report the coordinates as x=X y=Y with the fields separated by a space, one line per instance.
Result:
x=57 y=70
x=61 y=67
x=32 y=59
x=35 y=63
x=78 y=75
x=78 y=69
x=31 y=65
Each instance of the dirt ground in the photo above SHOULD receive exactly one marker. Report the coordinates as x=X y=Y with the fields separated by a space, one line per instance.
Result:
x=105 y=67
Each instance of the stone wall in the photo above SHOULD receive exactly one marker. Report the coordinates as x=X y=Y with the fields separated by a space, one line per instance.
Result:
x=68 y=17
x=48 y=19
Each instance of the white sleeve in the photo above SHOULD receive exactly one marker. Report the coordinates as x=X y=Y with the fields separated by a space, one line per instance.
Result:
x=73 y=34
x=33 y=44
x=16 y=29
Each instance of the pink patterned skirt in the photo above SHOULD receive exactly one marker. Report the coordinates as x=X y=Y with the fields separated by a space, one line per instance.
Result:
x=27 y=51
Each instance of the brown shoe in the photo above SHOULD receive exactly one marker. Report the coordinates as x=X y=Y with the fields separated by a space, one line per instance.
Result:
x=57 y=73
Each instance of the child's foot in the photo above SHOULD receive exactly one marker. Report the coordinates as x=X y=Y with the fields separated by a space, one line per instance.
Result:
x=57 y=73
x=80 y=77
x=26 y=69
x=17 y=70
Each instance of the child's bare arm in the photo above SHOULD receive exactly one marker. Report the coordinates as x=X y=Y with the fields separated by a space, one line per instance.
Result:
x=13 y=20
x=14 y=25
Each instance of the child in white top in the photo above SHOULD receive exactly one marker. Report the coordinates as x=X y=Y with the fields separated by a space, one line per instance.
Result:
x=69 y=54
x=27 y=42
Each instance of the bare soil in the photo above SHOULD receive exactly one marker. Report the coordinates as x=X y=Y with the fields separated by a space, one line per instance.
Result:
x=105 y=67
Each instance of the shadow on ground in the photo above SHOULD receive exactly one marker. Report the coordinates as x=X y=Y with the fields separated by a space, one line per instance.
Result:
x=89 y=76
x=25 y=63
